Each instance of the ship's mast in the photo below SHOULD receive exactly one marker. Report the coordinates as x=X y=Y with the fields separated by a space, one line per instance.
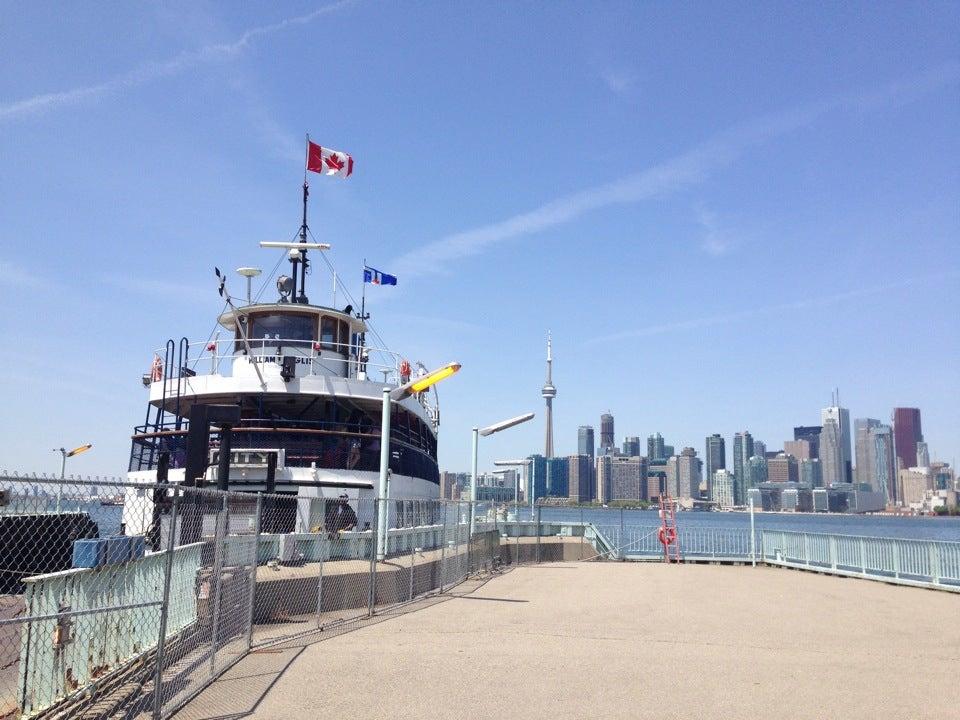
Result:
x=298 y=257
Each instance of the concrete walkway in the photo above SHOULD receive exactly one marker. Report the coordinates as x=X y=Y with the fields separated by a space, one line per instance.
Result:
x=623 y=640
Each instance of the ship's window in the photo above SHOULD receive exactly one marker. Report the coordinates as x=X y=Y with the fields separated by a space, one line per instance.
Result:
x=286 y=326
x=334 y=334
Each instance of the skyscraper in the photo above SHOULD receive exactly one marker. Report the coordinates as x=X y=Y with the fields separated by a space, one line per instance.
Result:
x=631 y=446
x=585 y=443
x=537 y=481
x=580 y=471
x=882 y=462
x=800 y=449
x=842 y=417
x=558 y=477
x=688 y=473
x=549 y=392
x=906 y=435
x=602 y=472
x=810 y=433
x=810 y=473
x=626 y=475
x=656 y=450
x=722 y=486
x=715 y=458
x=863 y=471
x=606 y=434
x=783 y=468
x=923 y=455
x=831 y=454
x=742 y=452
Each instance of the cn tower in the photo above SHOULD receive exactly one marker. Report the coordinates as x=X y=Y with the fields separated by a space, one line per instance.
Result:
x=549 y=392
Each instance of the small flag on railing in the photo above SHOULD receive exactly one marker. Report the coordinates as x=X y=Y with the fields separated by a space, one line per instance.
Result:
x=371 y=275
x=328 y=162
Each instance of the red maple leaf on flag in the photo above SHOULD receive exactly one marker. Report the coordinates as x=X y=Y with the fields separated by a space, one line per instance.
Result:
x=334 y=162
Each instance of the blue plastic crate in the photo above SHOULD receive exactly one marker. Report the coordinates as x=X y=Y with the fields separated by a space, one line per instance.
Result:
x=138 y=547
x=118 y=549
x=89 y=553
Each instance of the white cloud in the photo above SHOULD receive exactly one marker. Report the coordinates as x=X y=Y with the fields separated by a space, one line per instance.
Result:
x=618 y=81
x=682 y=171
x=47 y=102
x=715 y=240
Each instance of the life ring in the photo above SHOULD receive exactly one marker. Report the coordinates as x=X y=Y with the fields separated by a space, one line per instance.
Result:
x=667 y=535
x=405 y=370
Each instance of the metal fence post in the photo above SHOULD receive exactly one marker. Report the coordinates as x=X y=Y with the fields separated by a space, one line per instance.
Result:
x=581 y=533
x=863 y=556
x=219 y=548
x=324 y=542
x=753 y=537
x=538 y=533
x=165 y=607
x=620 y=553
x=833 y=552
x=934 y=563
x=253 y=570
x=443 y=544
x=896 y=558
x=372 y=584
x=806 y=548
x=411 y=570
x=470 y=511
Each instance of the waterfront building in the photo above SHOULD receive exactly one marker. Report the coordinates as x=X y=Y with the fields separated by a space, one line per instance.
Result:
x=913 y=485
x=580 y=477
x=626 y=474
x=715 y=458
x=602 y=472
x=923 y=455
x=656 y=450
x=558 y=477
x=606 y=434
x=687 y=469
x=800 y=449
x=549 y=392
x=862 y=439
x=668 y=451
x=841 y=416
x=491 y=487
x=810 y=473
x=943 y=476
x=631 y=446
x=810 y=433
x=721 y=488
x=831 y=454
x=450 y=485
x=756 y=471
x=656 y=479
x=537 y=479
x=585 y=443
x=742 y=450
x=906 y=434
x=782 y=469
x=760 y=448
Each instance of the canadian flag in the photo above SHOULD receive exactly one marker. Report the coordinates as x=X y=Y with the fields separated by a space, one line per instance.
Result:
x=328 y=162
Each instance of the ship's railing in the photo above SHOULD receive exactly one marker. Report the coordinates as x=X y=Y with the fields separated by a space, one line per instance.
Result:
x=216 y=357
x=320 y=444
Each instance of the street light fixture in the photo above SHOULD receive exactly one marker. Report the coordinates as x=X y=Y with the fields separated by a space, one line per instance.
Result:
x=489 y=430
x=397 y=394
x=64 y=454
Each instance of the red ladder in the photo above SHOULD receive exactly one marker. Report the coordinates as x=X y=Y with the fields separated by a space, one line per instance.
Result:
x=667 y=534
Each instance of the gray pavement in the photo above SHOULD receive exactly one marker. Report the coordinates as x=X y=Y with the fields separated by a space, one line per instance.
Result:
x=623 y=640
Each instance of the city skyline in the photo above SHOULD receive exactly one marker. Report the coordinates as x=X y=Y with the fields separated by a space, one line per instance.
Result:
x=769 y=192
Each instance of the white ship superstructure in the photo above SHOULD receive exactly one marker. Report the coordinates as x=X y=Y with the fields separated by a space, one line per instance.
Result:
x=309 y=390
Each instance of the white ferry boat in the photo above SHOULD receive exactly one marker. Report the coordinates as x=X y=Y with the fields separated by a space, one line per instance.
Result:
x=309 y=390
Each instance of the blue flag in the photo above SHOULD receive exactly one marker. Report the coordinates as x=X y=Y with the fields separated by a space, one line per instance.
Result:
x=371 y=275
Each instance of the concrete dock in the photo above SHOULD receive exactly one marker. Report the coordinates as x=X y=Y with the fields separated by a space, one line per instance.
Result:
x=620 y=640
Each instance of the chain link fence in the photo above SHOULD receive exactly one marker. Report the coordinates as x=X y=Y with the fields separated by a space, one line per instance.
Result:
x=124 y=600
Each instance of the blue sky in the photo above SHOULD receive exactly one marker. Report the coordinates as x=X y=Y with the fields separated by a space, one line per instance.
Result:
x=722 y=211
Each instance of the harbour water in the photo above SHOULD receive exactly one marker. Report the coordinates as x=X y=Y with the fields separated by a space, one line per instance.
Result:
x=904 y=527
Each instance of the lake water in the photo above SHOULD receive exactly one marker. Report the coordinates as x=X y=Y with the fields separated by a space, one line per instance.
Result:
x=920 y=528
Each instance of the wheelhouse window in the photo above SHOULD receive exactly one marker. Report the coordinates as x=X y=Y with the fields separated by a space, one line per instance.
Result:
x=300 y=327
x=334 y=334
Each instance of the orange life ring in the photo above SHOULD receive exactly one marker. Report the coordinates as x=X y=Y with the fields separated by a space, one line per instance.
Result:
x=667 y=535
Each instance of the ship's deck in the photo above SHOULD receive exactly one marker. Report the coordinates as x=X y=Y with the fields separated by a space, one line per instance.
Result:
x=621 y=640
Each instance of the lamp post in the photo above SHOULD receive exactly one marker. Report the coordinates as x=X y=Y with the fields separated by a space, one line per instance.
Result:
x=397 y=394
x=64 y=454
x=489 y=430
